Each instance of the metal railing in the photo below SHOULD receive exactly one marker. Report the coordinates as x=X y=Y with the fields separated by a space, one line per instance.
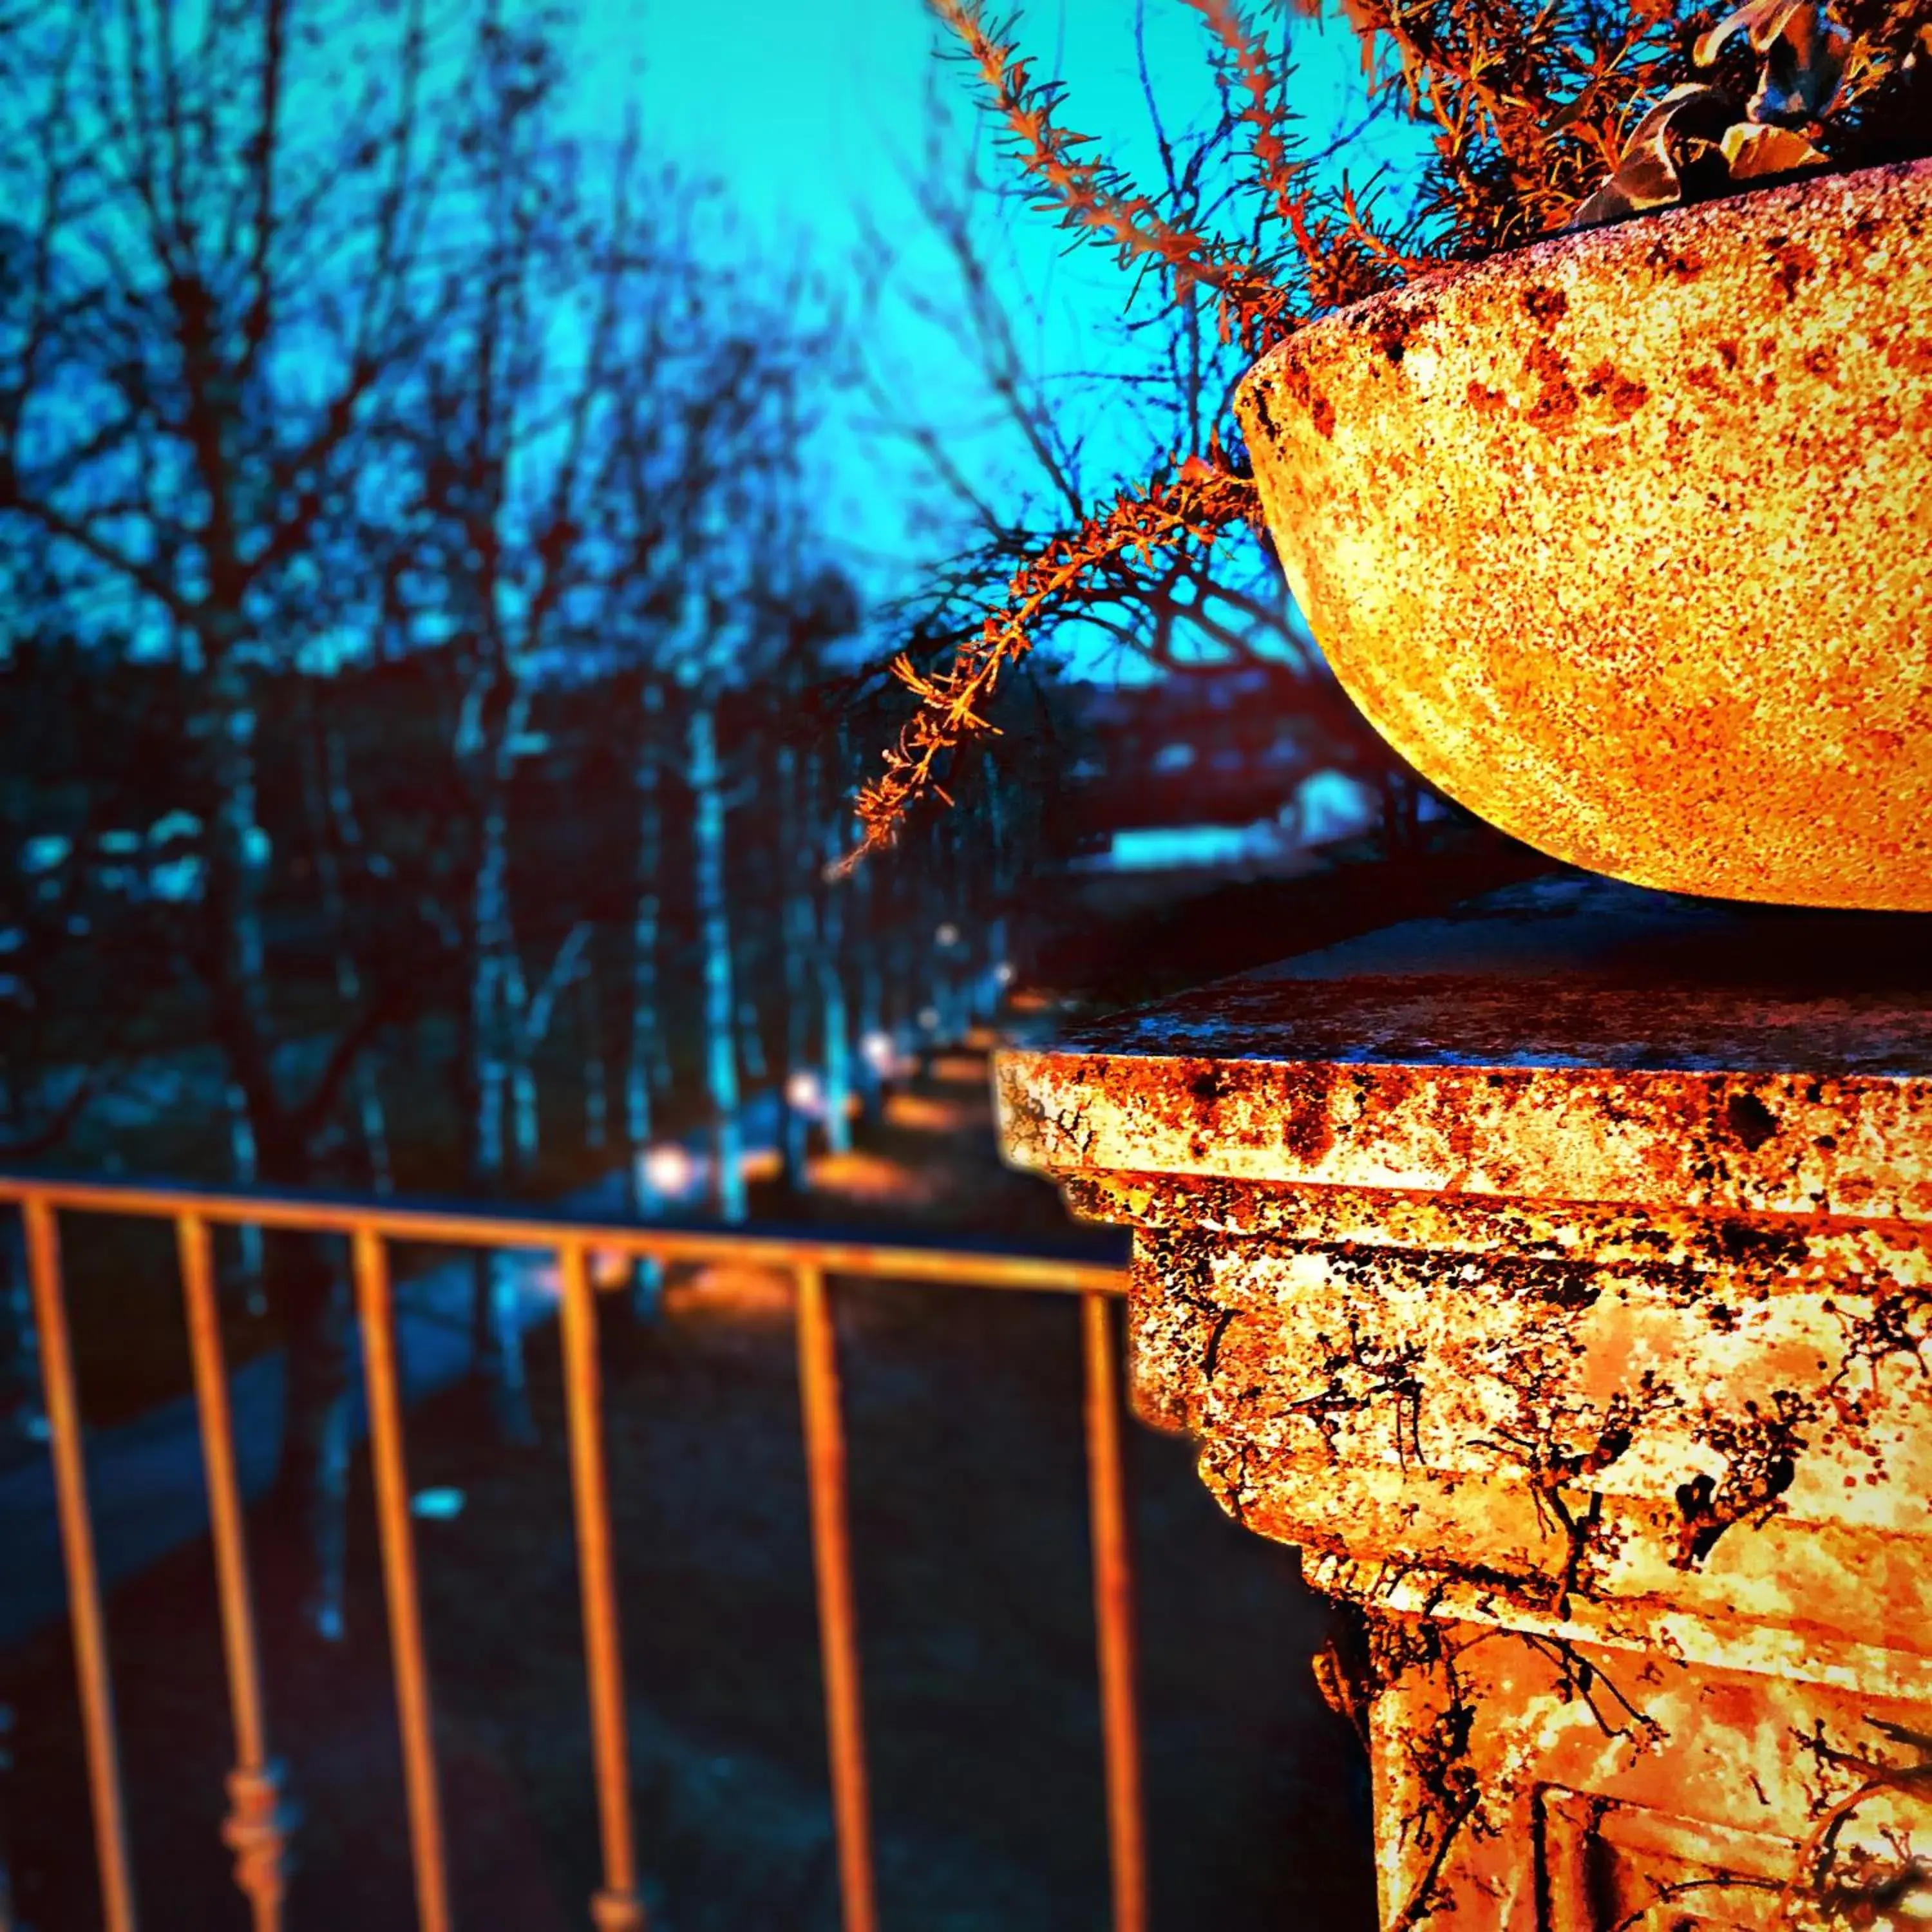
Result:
x=253 y=1828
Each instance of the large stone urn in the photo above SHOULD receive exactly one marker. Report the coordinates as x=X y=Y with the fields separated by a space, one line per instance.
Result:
x=1625 y=540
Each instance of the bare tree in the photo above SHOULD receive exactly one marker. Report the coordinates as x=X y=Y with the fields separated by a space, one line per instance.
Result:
x=222 y=286
x=513 y=424
x=701 y=613
x=337 y=843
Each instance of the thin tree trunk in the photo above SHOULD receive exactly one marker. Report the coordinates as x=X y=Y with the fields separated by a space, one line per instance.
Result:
x=650 y=1041
x=237 y=841
x=19 y=1339
x=368 y=1087
x=936 y=1004
x=751 y=1035
x=331 y=818
x=373 y=1119
x=305 y=1286
x=999 y=971
x=797 y=945
x=906 y=980
x=862 y=911
x=243 y=1164
x=646 y=1034
x=721 y=1058
x=1401 y=813
x=596 y=1068
x=942 y=973
x=312 y=1299
x=835 y=1026
x=526 y=1127
x=495 y=1327
x=528 y=1016
x=834 y=1022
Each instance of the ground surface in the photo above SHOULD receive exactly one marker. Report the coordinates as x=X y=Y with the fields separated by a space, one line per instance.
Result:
x=969 y=1524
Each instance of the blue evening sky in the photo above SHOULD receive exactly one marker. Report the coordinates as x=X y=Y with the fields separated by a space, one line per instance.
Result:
x=809 y=116
x=803 y=109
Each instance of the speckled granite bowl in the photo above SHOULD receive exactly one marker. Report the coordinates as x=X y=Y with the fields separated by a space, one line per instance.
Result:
x=1625 y=540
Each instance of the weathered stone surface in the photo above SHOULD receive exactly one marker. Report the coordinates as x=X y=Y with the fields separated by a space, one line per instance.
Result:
x=1597 y=1374
x=1623 y=539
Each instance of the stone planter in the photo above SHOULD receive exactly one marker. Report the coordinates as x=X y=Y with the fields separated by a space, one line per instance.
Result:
x=1625 y=540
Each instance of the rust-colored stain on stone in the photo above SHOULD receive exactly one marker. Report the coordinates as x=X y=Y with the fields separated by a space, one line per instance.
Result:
x=1579 y=1334
x=1624 y=539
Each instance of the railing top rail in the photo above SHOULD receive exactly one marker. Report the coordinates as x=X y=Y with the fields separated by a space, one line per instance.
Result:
x=944 y=1261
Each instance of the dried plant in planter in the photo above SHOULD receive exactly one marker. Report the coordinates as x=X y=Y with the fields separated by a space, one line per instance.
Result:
x=1570 y=115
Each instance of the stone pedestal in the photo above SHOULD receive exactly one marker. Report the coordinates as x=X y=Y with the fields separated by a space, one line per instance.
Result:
x=1557 y=1276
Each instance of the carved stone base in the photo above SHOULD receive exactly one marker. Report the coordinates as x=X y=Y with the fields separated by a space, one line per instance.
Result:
x=1538 y=1785
x=1576 y=1322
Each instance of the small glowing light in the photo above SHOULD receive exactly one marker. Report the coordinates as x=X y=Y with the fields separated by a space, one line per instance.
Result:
x=881 y=1055
x=670 y=1169
x=804 y=1092
x=437 y=1505
x=1003 y=973
x=948 y=934
x=929 y=1017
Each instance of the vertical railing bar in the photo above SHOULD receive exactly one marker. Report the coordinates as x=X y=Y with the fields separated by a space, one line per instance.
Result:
x=837 y=1619
x=616 y=1908
x=253 y=1830
x=83 y=1581
x=1113 y=1621
x=382 y=1384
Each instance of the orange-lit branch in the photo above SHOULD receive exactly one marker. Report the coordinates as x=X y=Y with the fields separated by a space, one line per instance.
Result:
x=1195 y=506
x=1097 y=201
x=1341 y=259
x=1256 y=74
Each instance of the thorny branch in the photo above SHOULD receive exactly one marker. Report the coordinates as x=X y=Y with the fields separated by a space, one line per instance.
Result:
x=1204 y=498
x=1096 y=200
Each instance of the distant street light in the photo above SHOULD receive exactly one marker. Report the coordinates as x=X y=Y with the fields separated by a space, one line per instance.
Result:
x=670 y=1170
x=948 y=934
x=805 y=1093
